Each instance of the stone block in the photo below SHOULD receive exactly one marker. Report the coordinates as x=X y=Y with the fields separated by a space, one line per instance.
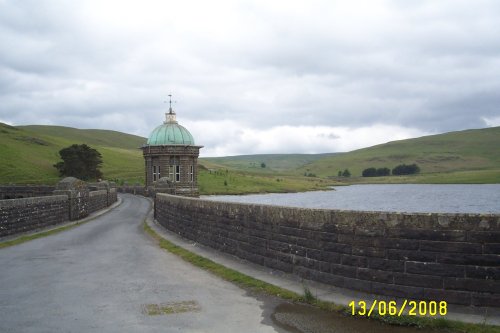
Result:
x=356 y=261
x=469 y=259
x=425 y=234
x=331 y=257
x=330 y=279
x=356 y=284
x=375 y=275
x=369 y=251
x=402 y=244
x=421 y=256
x=386 y=264
x=450 y=296
x=342 y=270
x=485 y=299
x=479 y=285
x=397 y=290
x=454 y=247
x=435 y=269
x=418 y=280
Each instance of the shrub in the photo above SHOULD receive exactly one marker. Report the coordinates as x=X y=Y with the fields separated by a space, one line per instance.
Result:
x=346 y=173
x=370 y=172
x=383 y=172
x=404 y=169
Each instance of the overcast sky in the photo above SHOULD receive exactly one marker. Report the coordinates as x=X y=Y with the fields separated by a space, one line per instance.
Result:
x=254 y=76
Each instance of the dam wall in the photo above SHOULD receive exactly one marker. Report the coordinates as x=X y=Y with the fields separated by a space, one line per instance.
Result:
x=450 y=257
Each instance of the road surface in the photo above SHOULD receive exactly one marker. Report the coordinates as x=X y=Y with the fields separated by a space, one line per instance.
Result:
x=109 y=276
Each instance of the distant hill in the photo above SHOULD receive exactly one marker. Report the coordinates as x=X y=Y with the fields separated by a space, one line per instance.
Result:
x=28 y=153
x=468 y=156
x=92 y=137
x=273 y=163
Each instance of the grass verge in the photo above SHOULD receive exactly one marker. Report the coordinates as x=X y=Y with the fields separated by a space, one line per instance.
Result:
x=27 y=238
x=255 y=285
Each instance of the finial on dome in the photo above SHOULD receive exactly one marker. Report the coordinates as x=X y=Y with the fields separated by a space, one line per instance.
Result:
x=170 y=116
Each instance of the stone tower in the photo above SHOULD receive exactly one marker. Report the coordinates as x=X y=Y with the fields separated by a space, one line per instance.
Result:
x=171 y=154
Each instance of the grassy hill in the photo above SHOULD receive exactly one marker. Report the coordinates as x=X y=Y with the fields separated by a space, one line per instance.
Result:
x=274 y=163
x=28 y=153
x=471 y=156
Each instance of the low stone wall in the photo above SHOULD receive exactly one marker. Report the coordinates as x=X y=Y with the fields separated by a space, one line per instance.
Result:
x=97 y=200
x=69 y=200
x=24 y=191
x=112 y=196
x=136 y=189
x=451 y=257
x=21 y=215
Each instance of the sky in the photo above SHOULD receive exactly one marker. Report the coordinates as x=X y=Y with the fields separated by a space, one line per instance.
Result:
x=251 y=77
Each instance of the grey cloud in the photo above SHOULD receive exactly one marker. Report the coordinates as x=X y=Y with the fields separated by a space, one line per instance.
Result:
x=431 y=66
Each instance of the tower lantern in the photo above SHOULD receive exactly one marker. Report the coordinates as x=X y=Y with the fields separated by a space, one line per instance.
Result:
x=171 y=154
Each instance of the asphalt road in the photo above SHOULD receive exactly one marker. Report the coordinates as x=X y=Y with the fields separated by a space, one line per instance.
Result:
x=106 y=275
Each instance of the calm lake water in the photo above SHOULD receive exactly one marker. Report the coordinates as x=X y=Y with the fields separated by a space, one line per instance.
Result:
x=394 y=197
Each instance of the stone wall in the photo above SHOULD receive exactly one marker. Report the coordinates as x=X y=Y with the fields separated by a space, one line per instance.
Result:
x=24 y=191
x=112 y=196
x=451 y=257
x=78 y=195
x=97 y=200
x=69 y=200
x=136 y=189
x=21 y=215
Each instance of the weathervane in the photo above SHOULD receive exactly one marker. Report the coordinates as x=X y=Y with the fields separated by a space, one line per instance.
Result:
x=171 y=114
x=170 y=103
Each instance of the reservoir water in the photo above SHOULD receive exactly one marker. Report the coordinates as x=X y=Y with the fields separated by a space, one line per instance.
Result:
x=412 y=198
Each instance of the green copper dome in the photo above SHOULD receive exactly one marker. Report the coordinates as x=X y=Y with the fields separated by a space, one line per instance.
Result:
x=170 y=133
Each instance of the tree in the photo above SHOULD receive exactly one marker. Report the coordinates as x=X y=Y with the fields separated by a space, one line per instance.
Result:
x=263 y=165
x=383 y=172
x=370 y=172
x=346 y=173
x=80 y=161
x=373 y=172
x=339 y=174
x=404 y=169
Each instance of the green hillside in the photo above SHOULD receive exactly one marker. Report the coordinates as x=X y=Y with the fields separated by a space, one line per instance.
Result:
x=471 y=156
x=273 y=163
x=94 y=137
x=28 y=153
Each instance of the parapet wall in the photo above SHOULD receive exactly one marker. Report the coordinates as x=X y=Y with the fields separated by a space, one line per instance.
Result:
x=69 y=200
x=451 y=257
x=21 y=215
x=136 y=189
x=24 y=191
x=98 y=200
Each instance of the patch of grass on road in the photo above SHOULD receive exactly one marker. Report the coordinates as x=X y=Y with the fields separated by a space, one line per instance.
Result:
x=171 y=308
x=252 y=284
